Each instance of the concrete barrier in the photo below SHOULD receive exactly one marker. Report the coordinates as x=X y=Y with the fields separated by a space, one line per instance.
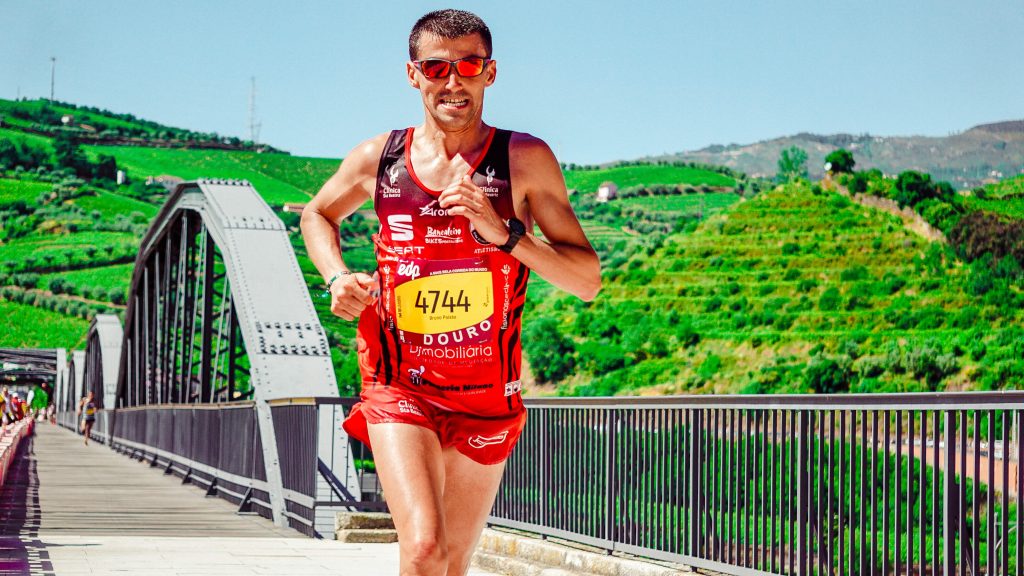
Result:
x=9 y=441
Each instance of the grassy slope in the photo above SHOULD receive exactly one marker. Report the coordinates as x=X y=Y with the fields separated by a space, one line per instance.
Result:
x=24 y=326
x=279 y=178
x=40 y=245
x=110 y=205
x=624 y=176
x=13 y=190
x=33 y=139
x=749 y=263
x=116 y=276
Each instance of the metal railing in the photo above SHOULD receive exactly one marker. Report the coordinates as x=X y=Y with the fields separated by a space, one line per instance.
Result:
x=218 y=447
x=852 y=484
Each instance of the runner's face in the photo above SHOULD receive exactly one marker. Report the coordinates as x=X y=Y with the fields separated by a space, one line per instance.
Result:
x=454 y=102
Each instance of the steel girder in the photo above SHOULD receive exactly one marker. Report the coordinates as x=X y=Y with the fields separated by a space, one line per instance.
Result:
x=102 y=352
x=76 y=376
x=219 y=311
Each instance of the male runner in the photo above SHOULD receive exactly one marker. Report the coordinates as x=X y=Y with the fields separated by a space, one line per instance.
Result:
x=439 y=321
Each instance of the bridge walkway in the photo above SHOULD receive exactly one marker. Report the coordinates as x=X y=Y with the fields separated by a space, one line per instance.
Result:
x=71 y=509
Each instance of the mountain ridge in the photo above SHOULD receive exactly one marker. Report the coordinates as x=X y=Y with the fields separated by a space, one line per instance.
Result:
x=979 y=155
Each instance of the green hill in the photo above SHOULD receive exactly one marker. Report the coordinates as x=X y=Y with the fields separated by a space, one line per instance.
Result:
x=645 y=175
x=279 y=178
x=789 y=292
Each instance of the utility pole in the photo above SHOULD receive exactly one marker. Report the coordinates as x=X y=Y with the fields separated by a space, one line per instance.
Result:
x=254 y=126
x=53 y=74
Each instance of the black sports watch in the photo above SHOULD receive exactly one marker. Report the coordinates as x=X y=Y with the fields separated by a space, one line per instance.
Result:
x=516 y=229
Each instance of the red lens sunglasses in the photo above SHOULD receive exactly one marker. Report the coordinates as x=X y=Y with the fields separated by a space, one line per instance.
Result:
x=467 y=67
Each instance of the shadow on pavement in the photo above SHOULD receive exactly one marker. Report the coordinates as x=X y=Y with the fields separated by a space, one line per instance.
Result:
x=21 y=550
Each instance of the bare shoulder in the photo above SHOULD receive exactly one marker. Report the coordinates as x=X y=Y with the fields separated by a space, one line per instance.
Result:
x=528 y=148
x=533 y=164
x=365 y=156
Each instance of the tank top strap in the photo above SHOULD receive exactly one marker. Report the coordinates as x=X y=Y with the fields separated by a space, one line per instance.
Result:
x=494 y=174
x=391 y=158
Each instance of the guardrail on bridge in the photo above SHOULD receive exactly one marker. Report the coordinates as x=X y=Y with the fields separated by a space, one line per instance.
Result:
x=844 y=484
x=218 y=447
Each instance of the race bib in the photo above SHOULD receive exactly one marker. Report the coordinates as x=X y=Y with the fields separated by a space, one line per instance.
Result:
x=444 y=302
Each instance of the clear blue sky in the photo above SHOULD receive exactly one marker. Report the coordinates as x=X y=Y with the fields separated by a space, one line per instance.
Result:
x=599 y=81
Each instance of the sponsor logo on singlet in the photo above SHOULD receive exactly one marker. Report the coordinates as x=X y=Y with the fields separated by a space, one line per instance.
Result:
x=409 y=270
x=490 y=191
x=433 y=209
x=479 y=441
x=391 y=189
x=449 y=235
x=505 y=270
x=514 y=387
x=453 y=354
x=416 y=376
x=401 y=227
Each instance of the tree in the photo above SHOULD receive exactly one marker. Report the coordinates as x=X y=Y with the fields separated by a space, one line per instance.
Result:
x=552 y=355
x=792 y=164
x=67 y=154
x=913 y=187
x=841 y=161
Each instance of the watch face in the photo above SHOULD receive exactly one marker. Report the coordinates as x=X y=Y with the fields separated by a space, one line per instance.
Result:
x=516 y=226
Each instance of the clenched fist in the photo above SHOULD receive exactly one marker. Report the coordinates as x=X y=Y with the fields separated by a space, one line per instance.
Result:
x=351 y=293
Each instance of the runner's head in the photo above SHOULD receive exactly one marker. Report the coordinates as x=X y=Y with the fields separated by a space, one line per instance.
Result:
x=450 y=65
x=449 y=24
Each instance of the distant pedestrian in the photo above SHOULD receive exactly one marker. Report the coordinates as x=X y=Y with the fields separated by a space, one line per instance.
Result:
x=87 y=410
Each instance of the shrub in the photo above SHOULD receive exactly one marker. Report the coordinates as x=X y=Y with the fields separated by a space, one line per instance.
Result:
x=552 y=355
x=806 y=285
x=829 y=300
x=827 y=375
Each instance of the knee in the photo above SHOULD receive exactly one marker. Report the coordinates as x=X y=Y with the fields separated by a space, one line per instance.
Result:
x=425 y=554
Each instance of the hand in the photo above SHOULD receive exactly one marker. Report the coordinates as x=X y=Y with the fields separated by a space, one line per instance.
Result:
x=351 y=293
x=463 y=198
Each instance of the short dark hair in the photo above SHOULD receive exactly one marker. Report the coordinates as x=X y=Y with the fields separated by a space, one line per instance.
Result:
x=448 y=24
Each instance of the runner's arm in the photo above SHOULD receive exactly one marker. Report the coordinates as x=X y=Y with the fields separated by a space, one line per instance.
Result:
x=564 y=257
x=343 y=193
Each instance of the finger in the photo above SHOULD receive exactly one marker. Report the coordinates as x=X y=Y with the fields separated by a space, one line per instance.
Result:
x=462 y=211
x=366 y=282
x=347 y=309
x=360 y=295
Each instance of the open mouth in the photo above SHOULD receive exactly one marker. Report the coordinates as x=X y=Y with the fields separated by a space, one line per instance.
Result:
x=455 y=103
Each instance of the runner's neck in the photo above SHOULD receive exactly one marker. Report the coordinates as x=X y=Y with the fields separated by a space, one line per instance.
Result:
x=437 y=142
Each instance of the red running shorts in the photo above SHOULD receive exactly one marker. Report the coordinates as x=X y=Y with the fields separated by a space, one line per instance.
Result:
x=486 y=440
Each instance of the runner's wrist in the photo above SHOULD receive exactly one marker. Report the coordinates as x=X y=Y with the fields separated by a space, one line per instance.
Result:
x=334 y=278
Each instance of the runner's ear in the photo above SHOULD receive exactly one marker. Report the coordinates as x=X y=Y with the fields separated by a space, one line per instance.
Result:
x=410 y=71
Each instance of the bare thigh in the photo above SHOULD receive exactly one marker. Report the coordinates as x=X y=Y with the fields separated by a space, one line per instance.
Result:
x=411 y=471
x=469 y=491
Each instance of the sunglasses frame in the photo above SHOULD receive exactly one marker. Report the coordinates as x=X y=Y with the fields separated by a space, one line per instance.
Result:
x=452 y=65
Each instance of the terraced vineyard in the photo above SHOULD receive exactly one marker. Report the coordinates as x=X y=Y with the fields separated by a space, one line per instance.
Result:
x=682 y=204
x=12 y=191
x=23 y=326
x=279 y=178
x=792 y=292
x=646 y=175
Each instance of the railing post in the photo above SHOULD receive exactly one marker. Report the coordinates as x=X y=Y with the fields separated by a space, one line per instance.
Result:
x=611 y=485
x=802 y=476
x=545 y=500
x=949 y=489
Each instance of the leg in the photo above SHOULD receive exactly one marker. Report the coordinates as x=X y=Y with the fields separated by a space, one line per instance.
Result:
x=469 y=491
x=411 y=470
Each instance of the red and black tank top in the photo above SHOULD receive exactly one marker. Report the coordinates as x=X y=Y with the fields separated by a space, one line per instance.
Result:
x=447 y=321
